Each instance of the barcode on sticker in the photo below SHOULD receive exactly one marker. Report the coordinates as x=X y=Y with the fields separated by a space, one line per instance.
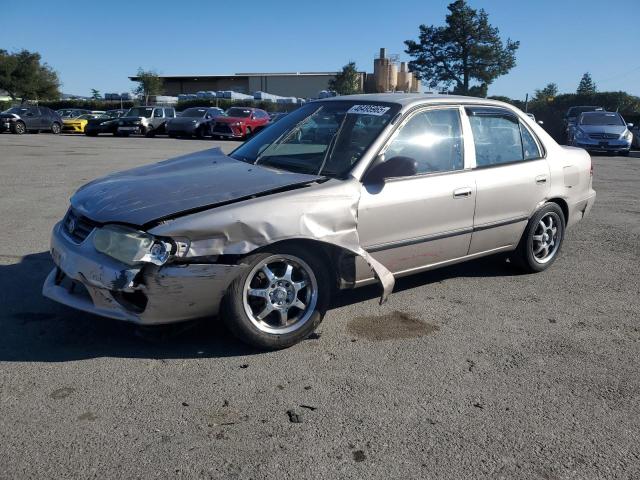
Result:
x=376 y=110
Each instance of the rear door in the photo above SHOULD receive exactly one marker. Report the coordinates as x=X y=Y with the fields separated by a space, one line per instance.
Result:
x=413 y=222
x=512 y=177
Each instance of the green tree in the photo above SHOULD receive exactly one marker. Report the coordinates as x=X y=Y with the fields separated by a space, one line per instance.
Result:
x=95 y=94
x=348 y=81
x=586 y=86
x=23 y=75
x=466 y=49
x=547 y=94
x=149 y=83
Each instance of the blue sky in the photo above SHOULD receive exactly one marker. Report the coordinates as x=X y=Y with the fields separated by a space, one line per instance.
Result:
x=98 y=44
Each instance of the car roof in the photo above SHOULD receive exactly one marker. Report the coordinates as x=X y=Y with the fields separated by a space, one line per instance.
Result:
x=411 y=99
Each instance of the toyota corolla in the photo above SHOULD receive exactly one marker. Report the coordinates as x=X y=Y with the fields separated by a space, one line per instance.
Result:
x=340 y=193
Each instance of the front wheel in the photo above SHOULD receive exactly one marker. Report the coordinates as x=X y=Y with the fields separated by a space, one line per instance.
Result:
x=279 y=300
x=56 y=128
x=19 y=128
x=541 y=241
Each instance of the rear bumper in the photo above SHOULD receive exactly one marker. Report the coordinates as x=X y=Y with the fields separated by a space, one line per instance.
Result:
x=143 y=294
x=581 y=209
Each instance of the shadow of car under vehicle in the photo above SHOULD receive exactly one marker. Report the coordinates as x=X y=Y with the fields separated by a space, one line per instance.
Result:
x=36 y=329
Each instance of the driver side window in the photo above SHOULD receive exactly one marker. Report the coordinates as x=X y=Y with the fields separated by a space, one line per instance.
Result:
x=433 y=138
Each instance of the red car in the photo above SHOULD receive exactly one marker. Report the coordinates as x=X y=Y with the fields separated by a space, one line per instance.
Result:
x=240 y=122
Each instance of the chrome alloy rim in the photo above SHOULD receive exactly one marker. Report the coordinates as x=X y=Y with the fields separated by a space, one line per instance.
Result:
x=546 y=238
x=280 y=294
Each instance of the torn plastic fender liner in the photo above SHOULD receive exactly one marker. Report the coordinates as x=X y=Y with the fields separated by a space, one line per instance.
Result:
x=326 y=212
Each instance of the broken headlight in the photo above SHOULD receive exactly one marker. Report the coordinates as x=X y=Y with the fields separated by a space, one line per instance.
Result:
x=132 y=246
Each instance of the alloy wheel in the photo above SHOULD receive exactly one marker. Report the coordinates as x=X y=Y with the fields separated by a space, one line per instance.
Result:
x=280 y=294
x=547 y=237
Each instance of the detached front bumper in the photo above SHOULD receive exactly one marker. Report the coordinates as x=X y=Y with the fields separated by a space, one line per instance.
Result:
x=88 y=280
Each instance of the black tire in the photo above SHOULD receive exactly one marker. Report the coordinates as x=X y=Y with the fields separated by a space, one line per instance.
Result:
x=625 y=153
x=91 y=134
x=199 y=133
x=149 y=133
x=247 y=133
x=19 y=128
x=233 y=307
x=173 y=135
x=56 y=128
x=123 y=134
x=525 y=256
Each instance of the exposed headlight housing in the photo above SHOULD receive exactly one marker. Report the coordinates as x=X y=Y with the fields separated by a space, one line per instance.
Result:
x=580 y=133
x=133 y=246
x=627 y=135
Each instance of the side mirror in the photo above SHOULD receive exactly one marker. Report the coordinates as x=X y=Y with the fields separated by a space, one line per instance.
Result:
x=629 y=125
x=394 y=167
x=540 y=122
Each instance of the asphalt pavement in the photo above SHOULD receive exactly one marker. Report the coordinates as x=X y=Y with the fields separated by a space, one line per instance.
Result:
x=472 y=371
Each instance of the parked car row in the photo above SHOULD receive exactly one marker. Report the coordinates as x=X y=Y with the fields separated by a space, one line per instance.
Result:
x=199 y=122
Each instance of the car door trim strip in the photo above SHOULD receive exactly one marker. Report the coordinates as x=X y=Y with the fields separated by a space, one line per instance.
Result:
x=440 y=236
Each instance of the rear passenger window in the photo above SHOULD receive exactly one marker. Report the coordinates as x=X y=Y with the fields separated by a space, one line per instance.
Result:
x=169 y=112
x=433 y=138
x=529 y=145
x=500 y=137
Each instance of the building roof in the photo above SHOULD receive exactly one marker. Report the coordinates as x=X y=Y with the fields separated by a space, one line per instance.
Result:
x=246 y=74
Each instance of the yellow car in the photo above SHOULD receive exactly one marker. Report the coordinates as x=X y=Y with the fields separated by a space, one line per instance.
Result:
x=77 y=124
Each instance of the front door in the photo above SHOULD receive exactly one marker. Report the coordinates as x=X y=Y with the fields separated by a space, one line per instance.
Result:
x=412 y=222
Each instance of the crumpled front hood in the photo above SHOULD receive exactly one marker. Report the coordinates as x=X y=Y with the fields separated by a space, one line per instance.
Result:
x=177 y=186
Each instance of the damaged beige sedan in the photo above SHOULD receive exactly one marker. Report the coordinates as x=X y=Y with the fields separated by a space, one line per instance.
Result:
x=341 y=193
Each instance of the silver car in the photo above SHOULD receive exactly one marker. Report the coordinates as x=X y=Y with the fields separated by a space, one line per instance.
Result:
x=602 y=132
x=147 y=121
x=341 y=193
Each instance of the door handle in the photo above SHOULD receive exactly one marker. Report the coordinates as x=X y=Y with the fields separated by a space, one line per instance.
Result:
x=540 y=179
x=464 y=192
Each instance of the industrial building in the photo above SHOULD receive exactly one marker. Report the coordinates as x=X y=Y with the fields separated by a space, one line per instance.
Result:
x=388 y=76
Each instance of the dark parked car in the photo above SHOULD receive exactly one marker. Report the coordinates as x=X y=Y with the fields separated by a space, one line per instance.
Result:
x=30 y=118
x=240 y=122
x=107 y=123
x=196 y=121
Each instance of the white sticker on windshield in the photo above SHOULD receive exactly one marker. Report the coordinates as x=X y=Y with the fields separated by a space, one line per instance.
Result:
x=376 y=110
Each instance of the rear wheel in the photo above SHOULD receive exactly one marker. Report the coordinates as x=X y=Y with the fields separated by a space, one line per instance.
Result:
x=19 y=128
x=280 y=299
x=541 y=241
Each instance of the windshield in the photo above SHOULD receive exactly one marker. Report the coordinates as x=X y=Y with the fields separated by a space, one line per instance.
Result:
x=320 y=138
x=194 y=112
x=597 y=118
x=140 y=112
x=238 y=112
